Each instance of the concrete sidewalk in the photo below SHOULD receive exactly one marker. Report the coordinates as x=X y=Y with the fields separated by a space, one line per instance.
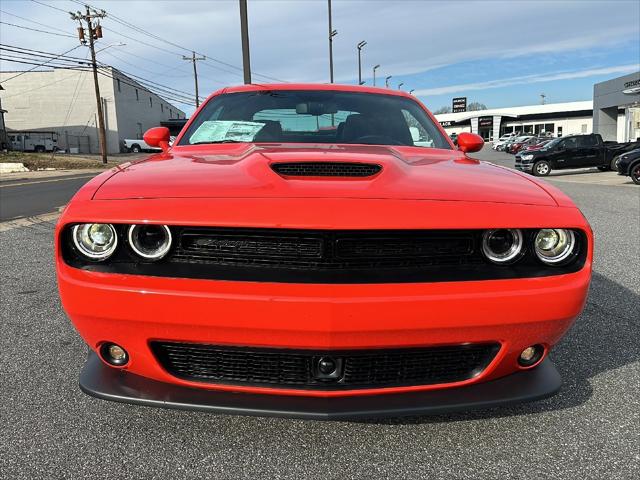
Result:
x=6 y=177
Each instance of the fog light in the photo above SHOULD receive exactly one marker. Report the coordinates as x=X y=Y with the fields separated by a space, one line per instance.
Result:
x=114 y=354
x=531 y=355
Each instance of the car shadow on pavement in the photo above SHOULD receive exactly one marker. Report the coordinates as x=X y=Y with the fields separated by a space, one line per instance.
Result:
x=604 y=338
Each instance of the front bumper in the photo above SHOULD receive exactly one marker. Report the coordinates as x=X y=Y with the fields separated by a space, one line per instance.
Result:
x=524 y=165
x=106 y=383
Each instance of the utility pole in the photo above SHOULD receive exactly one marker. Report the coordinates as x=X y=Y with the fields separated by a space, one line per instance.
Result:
x=386 y=80
x=374 y=74
x=94 y=32
x=542 y=97
x=359 y=46
x=194 y=59
x=244 y=30
x=332 y=33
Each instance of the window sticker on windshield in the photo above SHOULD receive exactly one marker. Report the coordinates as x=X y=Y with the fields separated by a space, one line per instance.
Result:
x=221 y=130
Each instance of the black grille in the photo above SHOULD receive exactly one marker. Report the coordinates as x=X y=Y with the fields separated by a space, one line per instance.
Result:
x=323 y=250
x=326 y=169
x=297 y=369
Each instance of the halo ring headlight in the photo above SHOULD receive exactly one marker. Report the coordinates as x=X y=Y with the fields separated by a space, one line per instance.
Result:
x=554 y=246
x=96 y=241
x=502 y=246
x=151 y=242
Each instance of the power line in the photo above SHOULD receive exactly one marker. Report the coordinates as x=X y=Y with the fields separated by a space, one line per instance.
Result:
x=50 y=6
x=41 y=64
x=37 y=30
x=156 y=37
x=33 y=21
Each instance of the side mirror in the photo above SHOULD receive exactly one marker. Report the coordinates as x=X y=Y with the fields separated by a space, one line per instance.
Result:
x=157 y=137
x=470 y=142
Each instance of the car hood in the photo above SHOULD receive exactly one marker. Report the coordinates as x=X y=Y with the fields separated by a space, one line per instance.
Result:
x=244 y=171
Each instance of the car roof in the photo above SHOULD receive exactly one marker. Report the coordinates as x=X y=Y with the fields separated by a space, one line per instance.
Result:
x=313 y=86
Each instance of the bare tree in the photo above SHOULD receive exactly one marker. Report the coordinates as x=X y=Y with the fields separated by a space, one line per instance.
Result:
x=474 y=106
x=442 y=110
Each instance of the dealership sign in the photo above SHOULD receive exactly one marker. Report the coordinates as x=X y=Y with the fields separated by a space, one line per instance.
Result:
x=459 y=104
x=446 y=124
x=485 y=122
x=632 y=87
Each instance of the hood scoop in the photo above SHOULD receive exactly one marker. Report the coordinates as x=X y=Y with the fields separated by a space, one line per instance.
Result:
x=326 y=169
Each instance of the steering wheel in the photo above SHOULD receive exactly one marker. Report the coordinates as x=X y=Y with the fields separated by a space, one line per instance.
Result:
x=377 y=139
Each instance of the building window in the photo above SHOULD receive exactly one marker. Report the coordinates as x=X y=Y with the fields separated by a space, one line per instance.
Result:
x=161 y=108
x=549 y=127
x=118 y=80
x=584 y=128
x=137 y=96
x=170 y=113
x=151 y=102
x=139 y=134
x=559 y=131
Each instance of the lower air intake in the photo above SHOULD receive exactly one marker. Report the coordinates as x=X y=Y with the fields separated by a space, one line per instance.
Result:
x=284 y=368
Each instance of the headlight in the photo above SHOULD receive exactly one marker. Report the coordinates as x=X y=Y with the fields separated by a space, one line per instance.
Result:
x=150 y=241
x=526 y=156
x=502 y=246
x=95 y=240
x=554 y=245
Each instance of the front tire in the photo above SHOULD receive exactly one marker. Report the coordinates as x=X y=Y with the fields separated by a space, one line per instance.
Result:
x=135 y=148
x=541 y=168
x=634 y=173
x=614 y=163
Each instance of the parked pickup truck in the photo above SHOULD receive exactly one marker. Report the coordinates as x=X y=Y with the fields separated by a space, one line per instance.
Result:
x=574 y=151
x=138 y=145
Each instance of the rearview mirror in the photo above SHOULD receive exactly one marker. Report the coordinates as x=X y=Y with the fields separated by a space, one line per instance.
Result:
x=157 y=137
x=469 y=142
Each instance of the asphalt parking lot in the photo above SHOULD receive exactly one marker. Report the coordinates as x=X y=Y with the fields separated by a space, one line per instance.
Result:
x=589 y=430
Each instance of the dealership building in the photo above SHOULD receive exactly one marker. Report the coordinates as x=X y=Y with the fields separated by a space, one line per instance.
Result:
x=614 y=112
x=63 y=103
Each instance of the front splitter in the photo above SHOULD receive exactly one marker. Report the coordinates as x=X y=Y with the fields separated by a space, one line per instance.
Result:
x=101 y=381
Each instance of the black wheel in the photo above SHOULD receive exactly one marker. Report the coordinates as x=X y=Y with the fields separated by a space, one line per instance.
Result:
x=603 y=168
x=614 y=163
x=541 y=168
x=135 y=148
x=635 y=173
x=39 y=148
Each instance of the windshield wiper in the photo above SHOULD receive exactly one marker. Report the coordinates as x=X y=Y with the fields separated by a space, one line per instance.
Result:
x=217 y=141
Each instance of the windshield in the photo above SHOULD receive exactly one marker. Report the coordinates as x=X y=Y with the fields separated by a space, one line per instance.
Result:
x=281 y=116
x=553 y=143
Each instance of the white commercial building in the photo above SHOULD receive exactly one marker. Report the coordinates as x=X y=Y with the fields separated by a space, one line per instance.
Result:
x=611 y=99
x=557 y=119
x=64 y=102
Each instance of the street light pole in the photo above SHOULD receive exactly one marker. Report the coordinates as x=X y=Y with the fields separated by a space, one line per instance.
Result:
x=244 y=31
x=400 y=85
x=360 y=46
x=386 y=81
x=332 y=33
x=411 y=91
x=374 y=74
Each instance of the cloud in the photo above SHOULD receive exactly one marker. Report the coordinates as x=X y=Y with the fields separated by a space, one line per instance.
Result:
x=289 y=38
x=529 y=79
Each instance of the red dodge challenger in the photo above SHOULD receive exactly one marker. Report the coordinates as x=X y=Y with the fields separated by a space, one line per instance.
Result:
x=320 y=251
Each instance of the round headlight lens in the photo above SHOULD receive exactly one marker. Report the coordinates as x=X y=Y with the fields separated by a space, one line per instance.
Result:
x=95 y=240
x=503 y=245
x=151 y=242
x=554 y=245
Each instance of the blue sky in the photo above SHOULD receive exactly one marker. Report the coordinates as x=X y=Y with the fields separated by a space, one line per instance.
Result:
x=500 y=53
